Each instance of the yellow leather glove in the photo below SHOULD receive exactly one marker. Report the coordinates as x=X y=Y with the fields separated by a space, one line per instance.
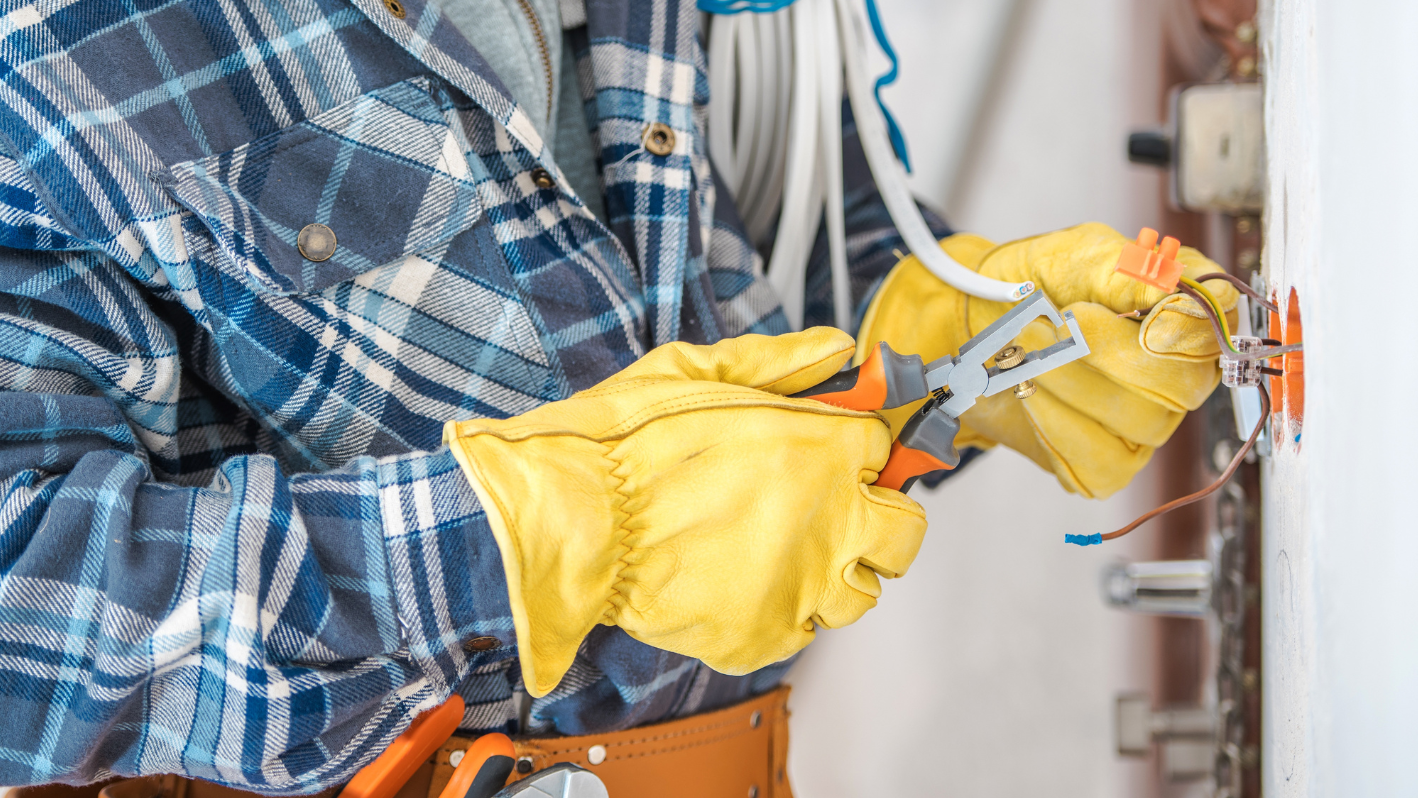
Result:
x=1095 y=422
x=689 y=502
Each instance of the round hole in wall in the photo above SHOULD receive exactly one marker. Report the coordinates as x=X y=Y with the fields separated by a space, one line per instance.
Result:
x=1287 y=393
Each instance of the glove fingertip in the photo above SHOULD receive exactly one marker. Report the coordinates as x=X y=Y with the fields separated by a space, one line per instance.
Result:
x=806 y=359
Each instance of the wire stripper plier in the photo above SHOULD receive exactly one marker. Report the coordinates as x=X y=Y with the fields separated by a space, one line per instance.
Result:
x=951 y=384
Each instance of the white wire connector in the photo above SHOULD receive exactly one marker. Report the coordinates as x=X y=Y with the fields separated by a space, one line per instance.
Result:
x=1238 y=373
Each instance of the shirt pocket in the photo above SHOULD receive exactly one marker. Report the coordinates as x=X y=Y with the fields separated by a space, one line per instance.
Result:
x=384 y=172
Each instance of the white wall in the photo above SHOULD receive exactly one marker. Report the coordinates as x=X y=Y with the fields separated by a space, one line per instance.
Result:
x=1341 y=539
x=990 y=669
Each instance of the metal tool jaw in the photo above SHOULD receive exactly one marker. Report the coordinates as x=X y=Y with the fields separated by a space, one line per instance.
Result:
x=965 y=378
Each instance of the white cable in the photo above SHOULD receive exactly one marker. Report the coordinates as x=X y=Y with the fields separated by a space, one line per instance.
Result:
x=749 y=74
x=891 y=177
x=775 y=135
x=802 y=202
x=771 y=94
x=773 y=194
x=829 y=95
x=721 y=97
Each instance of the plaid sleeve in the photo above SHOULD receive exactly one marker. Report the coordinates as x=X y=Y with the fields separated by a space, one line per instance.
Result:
x=262 y=629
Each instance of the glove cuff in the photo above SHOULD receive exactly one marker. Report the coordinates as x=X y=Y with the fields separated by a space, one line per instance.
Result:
x=554 y=508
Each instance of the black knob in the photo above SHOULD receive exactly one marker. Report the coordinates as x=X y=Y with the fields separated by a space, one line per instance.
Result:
x=1150 y=147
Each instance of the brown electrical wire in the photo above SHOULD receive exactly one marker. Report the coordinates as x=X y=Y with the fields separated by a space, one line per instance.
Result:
x=1230 y=351
x=1210 y=314
x=1213 y=487
x=1240 y=286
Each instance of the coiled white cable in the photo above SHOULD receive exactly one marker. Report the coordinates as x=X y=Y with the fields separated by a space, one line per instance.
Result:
x=775 y=134
x=829 y=56
x=802 y=189
x=891 y=177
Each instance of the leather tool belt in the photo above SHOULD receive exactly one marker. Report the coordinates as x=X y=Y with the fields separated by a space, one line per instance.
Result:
x=739 y=752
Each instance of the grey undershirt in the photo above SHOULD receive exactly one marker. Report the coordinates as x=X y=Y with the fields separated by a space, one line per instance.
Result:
x=503 y=35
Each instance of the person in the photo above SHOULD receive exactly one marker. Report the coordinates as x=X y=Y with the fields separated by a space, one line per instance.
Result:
x=357 y=354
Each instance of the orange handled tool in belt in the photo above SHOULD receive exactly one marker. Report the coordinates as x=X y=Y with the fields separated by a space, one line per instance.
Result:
x=950 y=385
x=392 y=769
x=481 y=773
x=484 y=770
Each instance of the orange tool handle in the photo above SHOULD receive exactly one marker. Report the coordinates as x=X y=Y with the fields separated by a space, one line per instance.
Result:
x=860 y=388
x=484 y=770
x=884 y=381
x=392 y=769
x=926 y=444
x=905 y=465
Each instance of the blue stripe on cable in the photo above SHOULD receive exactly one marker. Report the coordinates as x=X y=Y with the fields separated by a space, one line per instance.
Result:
x=893 y=130
x=898 y=141
x=739 y=6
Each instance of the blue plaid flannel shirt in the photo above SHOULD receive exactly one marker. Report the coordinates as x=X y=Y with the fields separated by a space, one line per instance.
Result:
x=231 y=545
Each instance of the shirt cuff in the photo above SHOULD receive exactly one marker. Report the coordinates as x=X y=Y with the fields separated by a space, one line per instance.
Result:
x=445 y=568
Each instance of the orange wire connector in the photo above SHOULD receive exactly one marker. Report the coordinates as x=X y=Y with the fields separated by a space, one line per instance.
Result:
x=1145 y=262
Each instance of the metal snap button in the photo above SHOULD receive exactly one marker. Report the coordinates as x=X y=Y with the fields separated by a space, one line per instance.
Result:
x=455 y=758
x=596 y=754
x=658 y=138
x=543 y=178
x=316 y=242
x=482 y=644
x=524 y=765
x=396 y=8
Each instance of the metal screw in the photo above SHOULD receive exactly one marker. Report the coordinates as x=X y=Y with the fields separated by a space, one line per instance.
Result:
x=1246 y=67
x=1009 y=357
x=1247 y=258
x=1244 y=225
x=1246 y=32
x=1250 y=680
x=1025 y=389
x=1250 y=756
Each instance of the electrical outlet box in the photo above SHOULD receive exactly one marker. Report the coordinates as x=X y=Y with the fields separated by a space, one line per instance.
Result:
x=1213 y=146
x=1220 y=148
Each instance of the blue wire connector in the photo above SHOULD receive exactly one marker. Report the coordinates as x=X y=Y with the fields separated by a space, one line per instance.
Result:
x=1084 y=540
